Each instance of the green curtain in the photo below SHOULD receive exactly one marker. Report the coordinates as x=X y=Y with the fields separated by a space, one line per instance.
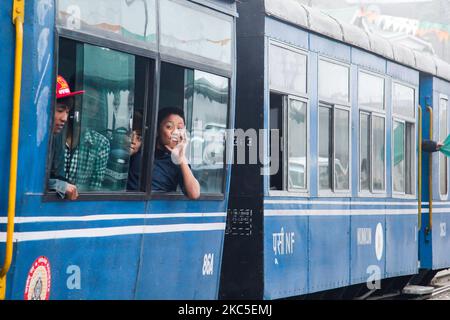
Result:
x=445 y=149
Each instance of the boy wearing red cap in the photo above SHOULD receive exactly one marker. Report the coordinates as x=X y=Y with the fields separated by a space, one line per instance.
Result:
x=64 y=102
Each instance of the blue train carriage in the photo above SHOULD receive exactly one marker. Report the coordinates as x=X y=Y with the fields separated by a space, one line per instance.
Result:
x=132 y=58
x=434 y=242
x=336 y=212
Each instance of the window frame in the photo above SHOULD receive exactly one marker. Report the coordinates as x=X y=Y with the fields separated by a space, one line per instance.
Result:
x=149 y=100
x=287 y=96
x=296 y=191
x=411 y=120
x=151 y=104
x=325 y=99
x=186 y=57
x=346 y=106
x=297 y=50
x=443 y=97
x=179 y=195
x=371 y=112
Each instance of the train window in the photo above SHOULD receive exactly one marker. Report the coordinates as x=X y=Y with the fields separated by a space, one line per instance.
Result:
x=399 y=157
x=378 y=153
x=404 y=144
x=200 y=31
x=364 y=151
x=288 y=115
x=409 y=157
x=297 y=139
x=372 y=164
x=204 y=98
x=370 y=91
x=325 y=147
x=341 y=149
x=403 y=100
x=443 y=132
x=276 y=123
x=130 y=21
x=334 y=148
x=96 y=148
x=287 y=69
x=372 y=152
x=334 y=82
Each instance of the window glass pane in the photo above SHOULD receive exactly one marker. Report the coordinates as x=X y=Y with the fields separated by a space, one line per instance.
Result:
x=399 y=157
x=333 y=81
x=200 y=31
x=341 y=149
x=207 y=122
x=297 y=144
x=287 y=70
x=370 y=91
x=133 y=21
x=403 y=100
x=96 y=140
x=204 y=99
x=107 y=107
x=410 y=156
x=378 y=164
x=443 y=132
x=364 y=148
x=324 y=148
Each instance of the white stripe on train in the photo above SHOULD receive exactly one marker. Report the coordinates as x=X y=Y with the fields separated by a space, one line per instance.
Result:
x=113 y=231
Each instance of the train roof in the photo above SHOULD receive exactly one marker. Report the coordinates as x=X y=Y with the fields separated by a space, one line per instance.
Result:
x=317 y=21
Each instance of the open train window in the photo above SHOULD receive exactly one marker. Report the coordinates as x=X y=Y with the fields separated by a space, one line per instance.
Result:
x=403 y=139
x=334 y=127
x=204 y=99
x=372 y=133
x=276 y=123
x=98 y=145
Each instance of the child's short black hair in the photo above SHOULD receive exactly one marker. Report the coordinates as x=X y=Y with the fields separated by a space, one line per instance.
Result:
x=67 y=101
x=165 y=112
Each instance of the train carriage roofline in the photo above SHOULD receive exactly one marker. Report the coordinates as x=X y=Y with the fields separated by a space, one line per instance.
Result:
x=319 y=22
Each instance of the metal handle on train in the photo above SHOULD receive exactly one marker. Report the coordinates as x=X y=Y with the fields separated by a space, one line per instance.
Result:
x=18 y=15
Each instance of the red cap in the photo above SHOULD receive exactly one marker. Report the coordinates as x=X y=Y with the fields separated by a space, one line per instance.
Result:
x=63 y=90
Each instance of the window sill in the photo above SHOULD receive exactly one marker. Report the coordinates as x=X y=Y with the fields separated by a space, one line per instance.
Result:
x=122 y=196
x=131 y=196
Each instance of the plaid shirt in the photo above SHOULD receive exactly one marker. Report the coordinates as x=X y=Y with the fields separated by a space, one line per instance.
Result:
x=85 y=165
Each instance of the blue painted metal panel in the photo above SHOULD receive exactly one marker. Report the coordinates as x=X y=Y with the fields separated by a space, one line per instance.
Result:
x=285 y=256
x=368 y=61
x=425 y=238
x=329 y=48
x=108 y=267
x=175 y=266
x=441 y=238
x=329 y=252
x=401 y=245
x=37 y=87
x=402 y=73
x=286 y=33
x=365 y=260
